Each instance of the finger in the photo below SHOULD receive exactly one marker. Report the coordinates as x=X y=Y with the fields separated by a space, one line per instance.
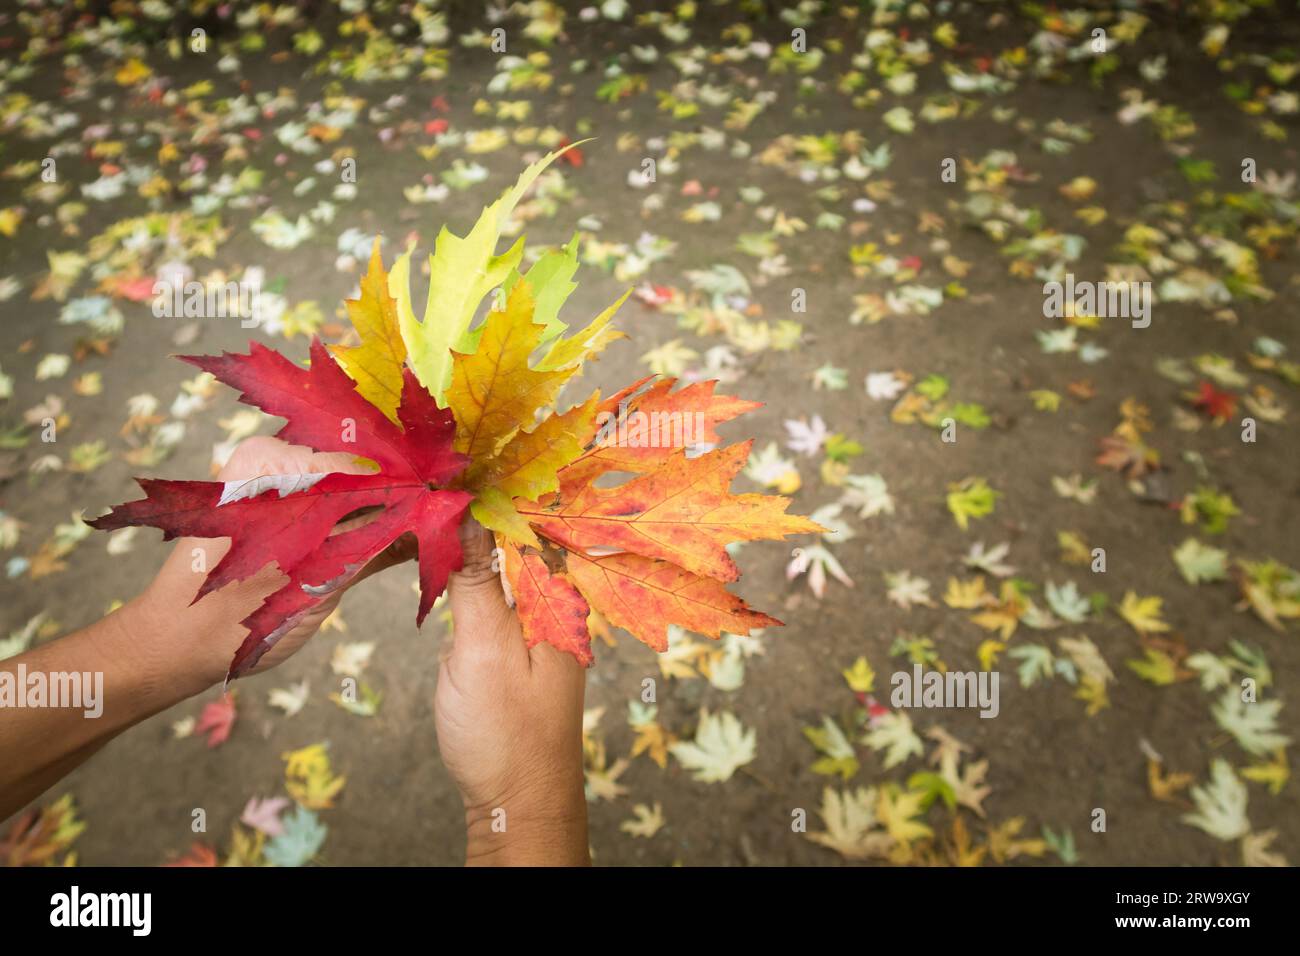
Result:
x=559 y=672
x=477 y=554
x=328 y=461
x=482 y=619
x=264 y=455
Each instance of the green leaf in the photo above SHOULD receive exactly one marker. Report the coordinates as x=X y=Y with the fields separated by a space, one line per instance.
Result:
x=1212 y=508
x=1036 y=662
x=462 y=270
x=1220 y=804
x=551 y=278
x=722 y=745
x=1199 y=562
x=893 y=734
x=1253 y=725
x=970 y=414
x=838 y=754
x=934 y=787
x=1066 y=602
x=1156 y=668
x=933 y=387
x=841 y=449
x=1197 y=170
x=1062 y=845
x=1251 y=662
x=299 y=841
x=972 y=498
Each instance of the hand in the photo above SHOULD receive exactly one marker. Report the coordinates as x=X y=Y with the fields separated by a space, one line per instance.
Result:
x=509 y=722
x=158 y=649
x=207 y=634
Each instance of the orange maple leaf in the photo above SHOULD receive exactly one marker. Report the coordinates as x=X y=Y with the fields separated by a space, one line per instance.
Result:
x=644 y=596
x=550 y=608
x=681 y=513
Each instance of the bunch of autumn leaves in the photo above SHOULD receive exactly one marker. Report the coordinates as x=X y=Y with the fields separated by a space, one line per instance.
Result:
x=645 y=554
x=449 y=416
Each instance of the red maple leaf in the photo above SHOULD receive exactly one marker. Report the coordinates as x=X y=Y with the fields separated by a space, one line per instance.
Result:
x=289 y=520
x=654 y=295
x=574 y=156
x=1214 y=403
x=135 y=290
x=199 y=854
x=217 y=720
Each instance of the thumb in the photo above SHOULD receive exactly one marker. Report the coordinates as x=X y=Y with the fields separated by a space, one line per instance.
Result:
x=476 y=587
x=479 y=566
x=482 y=621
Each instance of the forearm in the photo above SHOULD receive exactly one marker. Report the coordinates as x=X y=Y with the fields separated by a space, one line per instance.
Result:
x=125 y=676
x=548 y=830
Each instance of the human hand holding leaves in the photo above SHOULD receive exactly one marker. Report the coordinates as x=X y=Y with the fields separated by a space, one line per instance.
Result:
x=427 y=419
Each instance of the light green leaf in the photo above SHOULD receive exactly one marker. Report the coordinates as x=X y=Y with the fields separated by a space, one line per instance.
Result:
x=1199 y=562
x=1220 y=804
x=894 y=735
x=551 y=278
x=722 y=745
x=1253 y=725
x=1036 y=662
x=299 y=841
x=1061 y=844
x=462 y=270
x=1066 y=601
x=838 y=754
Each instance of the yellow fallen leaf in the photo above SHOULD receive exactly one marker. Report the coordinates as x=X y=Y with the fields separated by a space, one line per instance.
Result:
x=1142 y=613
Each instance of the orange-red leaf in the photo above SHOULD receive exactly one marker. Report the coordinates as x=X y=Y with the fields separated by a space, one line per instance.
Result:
x=681 y=513
x=550 y=608
x=643 y=596
x=636 y=430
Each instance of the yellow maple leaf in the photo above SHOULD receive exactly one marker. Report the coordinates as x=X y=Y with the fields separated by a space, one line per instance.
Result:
x=1093 y=692
x=526 y=466
x=1274 y=774
x=9 y=220
x=1004 y=843
x=1142 y=613
x=496 y=511
x=860 y=677
x=309 y=778
x=1165 y=786
x=653 y=741
x=1092 y=215
x=493 y=389
x=462 y=270
x=1074 y=550
x=962 y=852
x=988 y=653
x=897 y=809
x=1079 y=188
x=966 y=594
x=1003 y=616
x=132 y=72
x=376 y=364
x=576 y=349
x=245 y=847
x=305 y=761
